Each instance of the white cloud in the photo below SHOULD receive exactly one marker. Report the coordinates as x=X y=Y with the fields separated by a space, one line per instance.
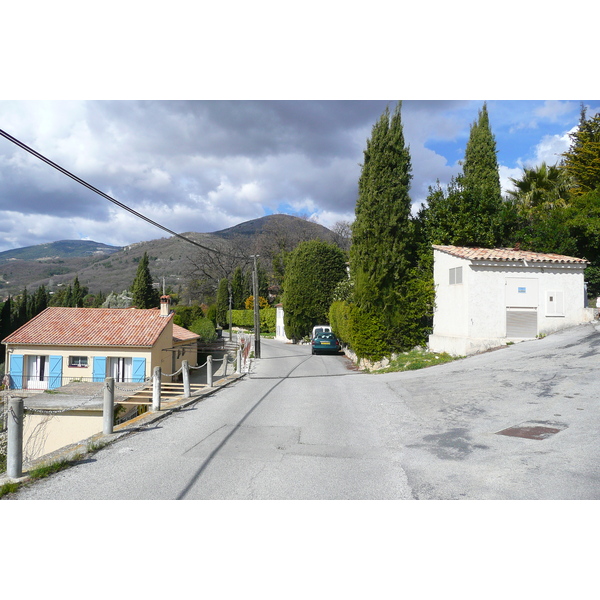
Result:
x=553 y=109
x=550 y=148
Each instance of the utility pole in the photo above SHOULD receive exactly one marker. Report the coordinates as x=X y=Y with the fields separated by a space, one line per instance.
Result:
x=230 y=305
x=256 y=308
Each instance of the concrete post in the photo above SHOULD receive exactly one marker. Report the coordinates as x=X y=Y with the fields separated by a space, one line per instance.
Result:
x=209 y=370
x=14 y=457
x=225 y=364
x=185 y=368
x=108 y=408
x=238 y=363
x=156 y=389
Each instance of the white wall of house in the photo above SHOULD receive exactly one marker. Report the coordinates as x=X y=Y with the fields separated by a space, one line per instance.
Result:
x=498 y=301
x=279 y=325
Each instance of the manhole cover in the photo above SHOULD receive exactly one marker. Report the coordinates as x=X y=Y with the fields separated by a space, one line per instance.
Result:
x=534 y=430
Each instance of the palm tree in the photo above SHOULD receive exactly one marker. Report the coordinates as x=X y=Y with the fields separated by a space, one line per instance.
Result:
x=540 y=189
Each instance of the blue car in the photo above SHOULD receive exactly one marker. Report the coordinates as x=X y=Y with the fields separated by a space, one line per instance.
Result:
x=325 y=342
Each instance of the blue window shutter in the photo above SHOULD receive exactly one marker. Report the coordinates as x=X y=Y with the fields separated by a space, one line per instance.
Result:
x=99 y=371
x=55 y=379
x=16 y=372
x=139 y=369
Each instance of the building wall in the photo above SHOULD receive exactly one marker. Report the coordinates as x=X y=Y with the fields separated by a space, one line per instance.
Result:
x=43 y=434
x=83 y=373
x=472 y=316
x=279 y=325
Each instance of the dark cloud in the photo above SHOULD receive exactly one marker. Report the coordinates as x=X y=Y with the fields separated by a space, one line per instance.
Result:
x=207 y=165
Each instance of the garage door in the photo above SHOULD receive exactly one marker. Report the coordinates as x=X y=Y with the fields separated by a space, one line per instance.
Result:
x=521 y=323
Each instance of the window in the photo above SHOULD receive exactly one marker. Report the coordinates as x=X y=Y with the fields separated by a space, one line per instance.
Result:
x=455 y=275
x=78 y=361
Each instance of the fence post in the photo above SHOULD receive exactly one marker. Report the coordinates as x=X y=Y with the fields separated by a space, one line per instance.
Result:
x=156 y=389
x=185 y=367
x=14 y=455
x=209 y=370
x=225 y=364
x=108 y=408
x=238 y=369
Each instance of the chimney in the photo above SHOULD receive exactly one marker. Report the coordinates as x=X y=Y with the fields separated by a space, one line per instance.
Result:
x=165 y=306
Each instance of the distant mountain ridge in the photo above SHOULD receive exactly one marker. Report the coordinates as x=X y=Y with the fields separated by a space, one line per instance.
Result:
x=60 y=249
x=104 y=268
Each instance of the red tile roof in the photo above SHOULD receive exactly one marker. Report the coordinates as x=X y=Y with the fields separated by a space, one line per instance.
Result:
x=507 y=254
x=57 y=326
x=180 y=334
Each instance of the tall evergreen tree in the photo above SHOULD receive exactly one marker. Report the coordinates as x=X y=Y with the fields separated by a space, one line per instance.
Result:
x=238 y=289
x=143 y=293
x=582 y=160
x=469 y=212
x=382 y=234
x=6 y=325
x=223 y=302
x=480 y=166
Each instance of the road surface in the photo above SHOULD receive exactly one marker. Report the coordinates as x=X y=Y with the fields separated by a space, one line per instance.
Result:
x=310 y=427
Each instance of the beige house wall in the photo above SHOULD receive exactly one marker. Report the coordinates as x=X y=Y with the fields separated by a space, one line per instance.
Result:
x=43 y=434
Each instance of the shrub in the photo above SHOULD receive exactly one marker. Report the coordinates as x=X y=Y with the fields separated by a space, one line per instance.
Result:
x=205 y=328
x=368 y=335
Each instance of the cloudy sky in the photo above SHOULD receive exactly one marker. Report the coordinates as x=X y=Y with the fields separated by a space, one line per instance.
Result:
x=207 y=165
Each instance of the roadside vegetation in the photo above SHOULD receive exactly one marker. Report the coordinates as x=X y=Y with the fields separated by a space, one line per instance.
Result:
x=416 y=359
x=372 y=280
x=46 y=469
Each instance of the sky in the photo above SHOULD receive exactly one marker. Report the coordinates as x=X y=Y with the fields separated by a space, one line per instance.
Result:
x=205 y=165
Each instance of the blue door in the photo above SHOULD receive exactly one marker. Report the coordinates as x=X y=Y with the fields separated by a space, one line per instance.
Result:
x=16 y=372
x=55 y=379
x=139 y=369
x=99 y=370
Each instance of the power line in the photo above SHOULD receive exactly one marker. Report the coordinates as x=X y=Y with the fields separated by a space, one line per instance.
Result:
x=17 y=142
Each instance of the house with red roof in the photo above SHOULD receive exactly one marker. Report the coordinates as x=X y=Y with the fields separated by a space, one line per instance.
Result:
x=486 y=298
x=60 y=345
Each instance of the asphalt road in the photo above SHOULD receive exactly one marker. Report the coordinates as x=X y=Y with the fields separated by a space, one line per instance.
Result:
x=310 y=427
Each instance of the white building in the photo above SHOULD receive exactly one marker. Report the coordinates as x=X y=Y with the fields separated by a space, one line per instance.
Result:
x=279 y=325
x=487 y=297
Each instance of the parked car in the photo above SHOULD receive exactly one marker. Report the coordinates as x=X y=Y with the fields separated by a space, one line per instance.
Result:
x=325 y=342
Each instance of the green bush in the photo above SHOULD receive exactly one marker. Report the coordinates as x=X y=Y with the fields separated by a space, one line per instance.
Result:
x=339 y=319
x=245 y=319
x=368 y=335
x=205 y=328
x=364 y=332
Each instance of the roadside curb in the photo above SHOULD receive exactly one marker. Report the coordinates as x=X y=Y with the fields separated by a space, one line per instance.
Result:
x=79 y=450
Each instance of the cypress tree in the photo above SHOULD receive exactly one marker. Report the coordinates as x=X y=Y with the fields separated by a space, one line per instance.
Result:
x=383 y=242
x=470 y=211
x=142 y=292
x=480 y=167
x=222 y=302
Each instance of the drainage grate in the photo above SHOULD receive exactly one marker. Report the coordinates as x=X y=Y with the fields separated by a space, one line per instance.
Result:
x=534 y=430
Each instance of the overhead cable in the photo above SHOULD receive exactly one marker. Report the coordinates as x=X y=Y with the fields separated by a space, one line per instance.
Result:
x=110 y=198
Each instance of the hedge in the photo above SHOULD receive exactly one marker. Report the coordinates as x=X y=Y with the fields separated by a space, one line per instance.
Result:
x=362 y=331
x=245 y=318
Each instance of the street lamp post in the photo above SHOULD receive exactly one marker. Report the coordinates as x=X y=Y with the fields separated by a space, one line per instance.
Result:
x=256 y=309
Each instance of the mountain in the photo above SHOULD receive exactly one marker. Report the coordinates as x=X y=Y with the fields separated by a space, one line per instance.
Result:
x=106 y=269
x=57 y=250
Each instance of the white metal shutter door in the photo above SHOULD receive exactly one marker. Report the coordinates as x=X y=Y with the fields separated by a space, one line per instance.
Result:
x=521 y=323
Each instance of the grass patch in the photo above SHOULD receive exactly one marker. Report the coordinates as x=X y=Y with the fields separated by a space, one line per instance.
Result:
x=47 y=470
x=8 y=488
x=417 y=359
